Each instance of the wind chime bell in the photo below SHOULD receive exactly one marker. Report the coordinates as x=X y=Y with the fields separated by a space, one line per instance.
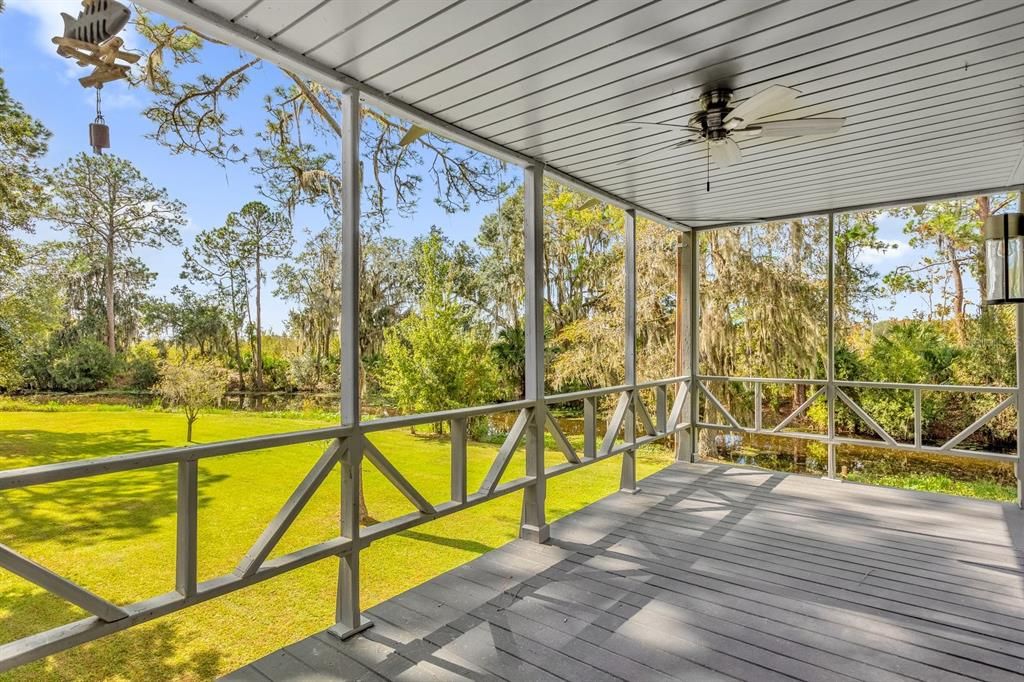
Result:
x=99 y=132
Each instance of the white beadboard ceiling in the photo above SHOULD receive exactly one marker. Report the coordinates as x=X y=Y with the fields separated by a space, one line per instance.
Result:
x=932 y=90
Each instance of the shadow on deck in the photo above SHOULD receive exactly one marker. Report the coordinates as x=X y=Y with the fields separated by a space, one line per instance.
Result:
x=712 y=572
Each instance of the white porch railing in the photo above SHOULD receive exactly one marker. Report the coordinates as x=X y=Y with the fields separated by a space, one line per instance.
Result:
x=256 y=565
x=885 y=440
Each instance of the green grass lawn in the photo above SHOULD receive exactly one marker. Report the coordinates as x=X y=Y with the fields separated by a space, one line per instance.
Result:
x=938 y=483
x=115 y=534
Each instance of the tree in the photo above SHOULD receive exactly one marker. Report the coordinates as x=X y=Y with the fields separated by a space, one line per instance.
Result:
x=111 y=209
x=312 y=281
x=32 y=306
x=193 y=387
x=194 y=321
x=191 y=114
x=509 y=352
x=217 y=259
x=23 y=142
x=264 y=234
x=953 y=230
x=437 y=358
x=589 y=350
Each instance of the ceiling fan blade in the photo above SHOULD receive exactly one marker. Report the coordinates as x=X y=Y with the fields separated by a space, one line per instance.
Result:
x=745 y=133
x=771 y=100
x=677 y=126
x=725 y=153
x=674 y=145
x=590 y=203
x=801 y=126
x=414 y=133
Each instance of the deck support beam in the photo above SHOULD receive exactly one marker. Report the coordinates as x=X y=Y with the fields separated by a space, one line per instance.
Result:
x=627 y=479
x=348 y=616
x=534 y=525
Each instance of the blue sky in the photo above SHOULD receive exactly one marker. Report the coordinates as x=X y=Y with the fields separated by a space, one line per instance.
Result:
x=46 y=84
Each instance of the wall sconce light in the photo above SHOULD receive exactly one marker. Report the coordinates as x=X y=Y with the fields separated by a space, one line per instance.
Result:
x=1004 y=258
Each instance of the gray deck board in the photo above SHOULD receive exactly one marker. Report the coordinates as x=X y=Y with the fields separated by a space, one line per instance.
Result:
x=712 y=572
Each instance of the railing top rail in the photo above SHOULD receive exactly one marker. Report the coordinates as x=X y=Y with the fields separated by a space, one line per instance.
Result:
x=399 y=421
x=761 y=380
x=588 y=393
x=654 y=383
x=958 y=388
x=97 y=466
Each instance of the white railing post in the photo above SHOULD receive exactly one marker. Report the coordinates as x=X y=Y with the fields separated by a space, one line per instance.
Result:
x=918 y=419
x=830 y=362
x=534 y=524
x=589 y=428
x=187 y=527
x=758 y=407
x=627 y=479
x=458 y=429
x=348 y=615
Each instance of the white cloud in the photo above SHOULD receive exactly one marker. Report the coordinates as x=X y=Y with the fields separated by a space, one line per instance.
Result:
x=115 y=96
x=897 y=250
x=190 y=226
x=48 y=24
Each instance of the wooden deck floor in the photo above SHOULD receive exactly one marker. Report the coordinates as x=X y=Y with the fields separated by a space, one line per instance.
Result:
x=711 y=573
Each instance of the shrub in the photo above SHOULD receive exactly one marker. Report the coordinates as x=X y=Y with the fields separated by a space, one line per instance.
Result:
x=275 y=372
x=84 y=366
x=140 y=368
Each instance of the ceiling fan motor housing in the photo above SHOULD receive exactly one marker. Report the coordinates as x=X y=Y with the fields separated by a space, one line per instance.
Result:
x=711 y=120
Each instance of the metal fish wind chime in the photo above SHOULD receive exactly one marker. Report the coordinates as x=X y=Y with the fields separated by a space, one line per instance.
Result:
x=91 y=40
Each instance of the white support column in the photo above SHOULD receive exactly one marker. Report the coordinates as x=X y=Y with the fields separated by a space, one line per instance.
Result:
x=1020 y=400
x=1020 y=384
x=830 y=362
x=627 y=479
x=348 y=616
x=534 y=524
x=682 y=442
x=693 y=333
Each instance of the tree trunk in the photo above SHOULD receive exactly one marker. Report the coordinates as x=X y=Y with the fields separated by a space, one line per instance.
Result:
x=238 y=359
x=259 y=326
x=108 y=285
x=188 y=436
x=959 y=312
x=983 y=209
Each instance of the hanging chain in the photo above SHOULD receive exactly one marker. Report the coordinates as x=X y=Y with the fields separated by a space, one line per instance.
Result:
x=99 y=112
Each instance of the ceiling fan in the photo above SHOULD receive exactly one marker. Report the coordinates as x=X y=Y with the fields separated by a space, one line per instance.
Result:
x=722 y=126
